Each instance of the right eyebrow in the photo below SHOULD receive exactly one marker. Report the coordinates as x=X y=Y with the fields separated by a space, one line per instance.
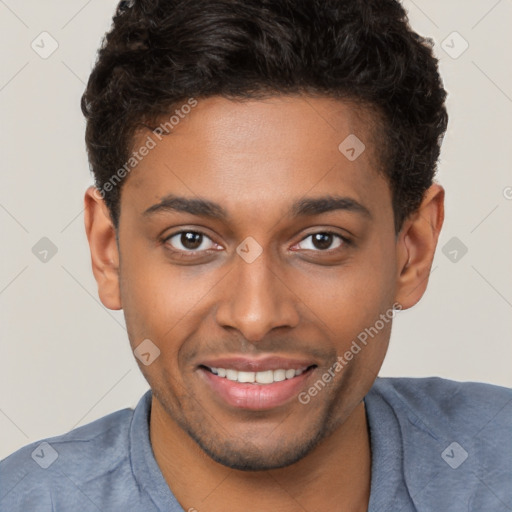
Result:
x=199 y=207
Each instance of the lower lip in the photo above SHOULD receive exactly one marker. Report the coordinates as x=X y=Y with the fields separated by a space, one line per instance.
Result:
x=255 y=397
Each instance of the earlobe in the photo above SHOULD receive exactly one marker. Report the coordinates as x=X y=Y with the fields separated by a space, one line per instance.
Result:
x=103 y=246
x=416 y=247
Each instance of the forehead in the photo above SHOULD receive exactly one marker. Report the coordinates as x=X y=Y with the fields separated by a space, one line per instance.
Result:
x=259 y=153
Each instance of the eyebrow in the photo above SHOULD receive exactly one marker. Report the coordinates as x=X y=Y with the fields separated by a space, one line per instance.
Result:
x=302 y=207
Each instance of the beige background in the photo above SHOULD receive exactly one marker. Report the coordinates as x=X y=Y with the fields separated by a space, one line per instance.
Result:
x=65 y=359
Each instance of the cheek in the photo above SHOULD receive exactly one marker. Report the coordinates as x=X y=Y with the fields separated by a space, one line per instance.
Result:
x=355 y=302
x=159 y=299
x=350 y=298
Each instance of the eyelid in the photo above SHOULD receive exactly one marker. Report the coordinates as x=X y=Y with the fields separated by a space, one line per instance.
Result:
x=345 y=240
x=166 y=238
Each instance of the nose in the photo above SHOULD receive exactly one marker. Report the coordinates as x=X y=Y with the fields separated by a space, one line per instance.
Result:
x=256 y=299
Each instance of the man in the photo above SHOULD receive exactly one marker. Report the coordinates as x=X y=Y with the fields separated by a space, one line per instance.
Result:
x=264 y=205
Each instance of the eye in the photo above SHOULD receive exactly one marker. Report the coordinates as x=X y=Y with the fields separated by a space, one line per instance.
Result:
x=190 y=241
x=323 y=241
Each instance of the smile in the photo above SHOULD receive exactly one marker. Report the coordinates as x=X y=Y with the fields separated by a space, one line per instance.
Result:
x=264 y=377
x=258 y=390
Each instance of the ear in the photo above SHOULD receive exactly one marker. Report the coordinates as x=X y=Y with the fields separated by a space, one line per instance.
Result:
x=104 y=251
x=416 y=246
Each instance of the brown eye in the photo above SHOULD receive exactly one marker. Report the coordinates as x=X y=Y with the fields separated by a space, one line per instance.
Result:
x=322 y=241
x=190 y=241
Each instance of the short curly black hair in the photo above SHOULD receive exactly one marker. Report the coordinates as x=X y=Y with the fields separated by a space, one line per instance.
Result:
x=160 y=53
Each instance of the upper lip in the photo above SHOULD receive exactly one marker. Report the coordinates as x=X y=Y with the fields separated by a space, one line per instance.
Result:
x=245 y=364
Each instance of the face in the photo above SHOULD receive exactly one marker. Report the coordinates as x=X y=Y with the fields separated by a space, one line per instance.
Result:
x=253 y=253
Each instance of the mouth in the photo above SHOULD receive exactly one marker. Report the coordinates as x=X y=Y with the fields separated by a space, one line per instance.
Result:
x=263 y=377
x=255 y=385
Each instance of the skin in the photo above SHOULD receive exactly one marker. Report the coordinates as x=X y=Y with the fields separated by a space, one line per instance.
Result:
x=297 y=299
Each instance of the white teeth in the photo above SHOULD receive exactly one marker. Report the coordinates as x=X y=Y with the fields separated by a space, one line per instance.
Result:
x=265 y=377
x=245 y=376
x=231 y=374
x=279 y=375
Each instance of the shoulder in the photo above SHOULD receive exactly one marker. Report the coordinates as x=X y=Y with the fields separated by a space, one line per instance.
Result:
x=62 y=465
x=442 y=390
x=454 y=437
x=106 y=434
x=455 y=401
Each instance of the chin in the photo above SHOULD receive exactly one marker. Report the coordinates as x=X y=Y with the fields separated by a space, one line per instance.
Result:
x=247 y=455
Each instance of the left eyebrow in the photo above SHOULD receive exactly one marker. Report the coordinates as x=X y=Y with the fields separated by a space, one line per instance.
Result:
x=302 y=207
x=319 y=205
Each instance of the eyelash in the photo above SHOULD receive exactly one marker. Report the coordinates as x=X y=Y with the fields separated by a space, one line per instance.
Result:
x=185 y=253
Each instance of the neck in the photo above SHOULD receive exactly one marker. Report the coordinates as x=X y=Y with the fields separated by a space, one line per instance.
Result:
x=334 y=476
